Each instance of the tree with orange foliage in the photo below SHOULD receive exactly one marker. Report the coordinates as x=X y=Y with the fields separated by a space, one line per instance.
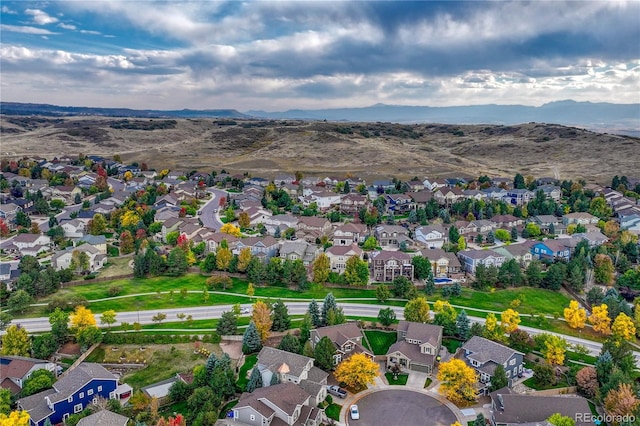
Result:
x=600 y=320
x=261 y=316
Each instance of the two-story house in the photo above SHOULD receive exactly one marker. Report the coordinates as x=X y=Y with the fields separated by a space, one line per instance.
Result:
x=278 y=366
x=470 y=259
x=447 y=196
x=311 y=227
x=63 y=259
x=349 y=233
x=299 y=250
x=507 y=221
x=520 y=252
x=445 y=264
x=580 y=218
x=73 y=393
x=551 y=249
x=518 y=197
x=416 y=348
x=338 y=256
x=32 y=244
x=351 y=204
x=346 y=337
x=484 y=355
x=391 y=236
x=14 y=370
x=432 y=236
x=386 y=265
x=281 y=404
x=399 y=203
x=263 y=247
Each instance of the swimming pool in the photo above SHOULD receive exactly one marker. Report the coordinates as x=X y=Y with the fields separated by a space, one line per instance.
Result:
x=443 y=281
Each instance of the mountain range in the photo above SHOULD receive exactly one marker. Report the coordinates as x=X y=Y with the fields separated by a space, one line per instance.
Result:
x=616 y=118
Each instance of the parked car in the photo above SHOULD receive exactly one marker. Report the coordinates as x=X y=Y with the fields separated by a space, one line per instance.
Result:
x=337 y=391
x=245 y=311
x=355 y=414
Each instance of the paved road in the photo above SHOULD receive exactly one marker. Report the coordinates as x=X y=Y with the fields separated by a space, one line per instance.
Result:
x=208 y=217
x=295 y=308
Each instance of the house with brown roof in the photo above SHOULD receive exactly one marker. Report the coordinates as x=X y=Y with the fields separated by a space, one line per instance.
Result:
x=509 y=408
x=351 y=204
x=299 y=250
x=444 y=263
x=214 y=240
x=447 y=196
x=580 y=218
x=349 y=233
x=310 y=228
x=506 y=221
x=346 y=337
x=391 y=236
x=416 y=348
x=14 y=370
x=470 y=259
x=338 y=256
x=387 y=265
x=264 y=247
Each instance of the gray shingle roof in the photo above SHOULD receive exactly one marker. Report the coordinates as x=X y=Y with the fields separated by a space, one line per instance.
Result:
x=104 y=418
x=521 y=409
x=412 y=352
x=77 y=378
x=36 y=405
x=273 y=358
x=423 y=332
x=286 y=396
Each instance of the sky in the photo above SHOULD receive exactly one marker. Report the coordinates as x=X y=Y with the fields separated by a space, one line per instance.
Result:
x=275 y=56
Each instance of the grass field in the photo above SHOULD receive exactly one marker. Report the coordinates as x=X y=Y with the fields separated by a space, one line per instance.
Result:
x=451 y=344
x=402 y=379
x=380 y=341
x=243 y=378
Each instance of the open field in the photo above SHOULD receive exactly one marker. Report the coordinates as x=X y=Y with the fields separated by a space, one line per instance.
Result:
x=365 y=149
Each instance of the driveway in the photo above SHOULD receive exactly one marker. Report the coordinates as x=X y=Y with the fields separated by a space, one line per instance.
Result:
x=401 y=407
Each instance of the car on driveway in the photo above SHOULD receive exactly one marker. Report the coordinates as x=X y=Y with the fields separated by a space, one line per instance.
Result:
x=355 y=414
x=337 y=391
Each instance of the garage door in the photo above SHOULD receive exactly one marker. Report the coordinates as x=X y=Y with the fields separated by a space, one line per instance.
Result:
x=420 y=367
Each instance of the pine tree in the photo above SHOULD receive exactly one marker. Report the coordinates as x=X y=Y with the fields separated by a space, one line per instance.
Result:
x=280 y=316
x=251 y=339
x=499 y=379
x=290 y=343
x=328 y=304
x=323 y=353
x=305 y=328
x=255 y=380
x=463 y=325
x=314 y=311
x=479 y=421
x=211 y=364
x=228 y=324
x=275 y=380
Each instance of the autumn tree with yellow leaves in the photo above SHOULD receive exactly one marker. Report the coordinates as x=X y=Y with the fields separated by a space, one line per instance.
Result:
x=623 y=327
x=15 y=418
x=230 y=229
x=261 y=316
x=457 y=382
x=554 y=349
x=244 y=258
x=574 y=315
x=600 y=320
x=357 y=371
x=417 y=310
x=82 y=318
x=509 y=320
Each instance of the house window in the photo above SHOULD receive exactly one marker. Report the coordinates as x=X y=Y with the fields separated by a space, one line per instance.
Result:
x=112 y=395
x=252 y=417
x=70 y=398
x=90 y=392
x=512 y=362
x=65 y=416
x=100 y=388
x=77 y=408
x=81 y=395
x=94 y=401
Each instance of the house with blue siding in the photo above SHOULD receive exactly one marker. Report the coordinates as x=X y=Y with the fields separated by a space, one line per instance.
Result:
x=80 y=387
x=551 y=249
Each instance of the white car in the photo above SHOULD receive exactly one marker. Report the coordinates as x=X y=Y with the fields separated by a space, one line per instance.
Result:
x=245 y=311
x=355 y=414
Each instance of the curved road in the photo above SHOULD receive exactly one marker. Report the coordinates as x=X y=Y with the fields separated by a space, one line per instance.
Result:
x=295 y=308
x=207 y=215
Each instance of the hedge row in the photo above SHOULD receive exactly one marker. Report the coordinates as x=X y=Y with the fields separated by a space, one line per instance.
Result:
x=149 y=339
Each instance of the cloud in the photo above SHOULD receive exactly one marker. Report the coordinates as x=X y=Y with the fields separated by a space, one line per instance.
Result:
x=91 y=32
x=25 y=29
x=67 y=26
x=5 y=9
x=40 y=17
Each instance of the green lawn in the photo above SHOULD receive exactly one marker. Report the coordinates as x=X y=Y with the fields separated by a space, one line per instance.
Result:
x=249 y=362
x=380 y=341
x=451 y=344
x=402 y=379
x=228 y=406
x=177 y=408
x=333 y=411
x=531 y=382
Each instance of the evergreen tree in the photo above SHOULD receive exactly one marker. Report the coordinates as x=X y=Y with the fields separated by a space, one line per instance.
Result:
x=251 y=339
x=255 y=380
x=476 y=329
x=328 y=304
x=314 y=312
x=275 y=380
x=514 y=234
x=499 y=379
x=454 y=235
x=323 y=353
x=480 y=420
x=280 y=317
x=211 y=364
x=305 y=328
x=463 y=325
x=290 y=343
x=228 y=324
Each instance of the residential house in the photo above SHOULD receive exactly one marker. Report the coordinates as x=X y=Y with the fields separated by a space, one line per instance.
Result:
x=8 y=212
x=299 y=250
x=283 y=178
x=518 y=197
x=258 y=215
x=594 y=238
x=580 y=218
x=32 y=244
x=391 y=236
x=484 y=355
x=74 y=228
x=62 y=259
x=399 y=203
x=447 y=196
x=432 y=236
x=213 y=241
x=416 y=348
x=445 y=264
x=281 y=404
x=346 y=337
x=73 y=393
x=104 y=418
x=5 y=274
x=380 y=186
x=65 y=193
x=470 y=259
x=258 y=181
x=434 y=184
x=483 y=226
x=262 y=247
x=350 y=204
x=494 y=193
x=14 y=370
x=349 y=233
x=506 y=221
x=473 y=194
x=509 y=408
x=551 y=249
x=520 y=252
x=284 y=367
x=338 y=256
x=552 y=192
x=416 y=185
x=97 y=241
x=631 y=223
x=387 y=265
x=421 y=198
x=283 y=221
x=311 y=228
x=548 y=223
x=325 y=200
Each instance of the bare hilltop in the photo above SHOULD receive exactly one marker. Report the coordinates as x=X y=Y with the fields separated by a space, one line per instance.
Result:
x=263 y=147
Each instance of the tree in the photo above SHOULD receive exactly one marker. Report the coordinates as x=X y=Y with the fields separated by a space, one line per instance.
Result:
x=97 y=225
x=417 y=310
x=314 y=313
x=623 y=327
x=39 y=380
x=356 y=271
x=600 y=320
x=576 y=278
x=492 y=330
x=509 y=320
x=127 y=244
x=82 y=318
x=15 y=418
x=5 y=401
x=59 y=321
x=228 y=324
x=255 y=380
x=382 y=293
x=223 y=258
x=463 y=325
x=19 y=301
x=261 y=317
x=445 y=316
x=370 y=243
x=554 y=349
x=321 y=268
x=457 y=382
x=534 y=274
x=251 y=291
x=386 y=316
x=230 y=229
x=604 y=271
x=575 y=315
x=503 y=235
x=244 y=259
x=402 y=287
x=329 y=304
x=422 y=267
x=587 y=381
x=243 y=220
x=15 y=341
x=621 y=401
x=251 y=339
x=280 y=317
x=290 y=343
x=357 y=371
x=558 y=419
x=323 y=353
x=43 y=346
x=499 y=379
x=454 y=235
x=108 y=317
x=5 y=320
x=555 y=276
